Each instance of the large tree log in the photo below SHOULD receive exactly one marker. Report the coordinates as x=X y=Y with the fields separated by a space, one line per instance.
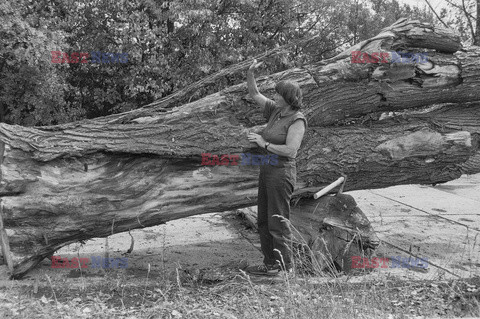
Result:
x=65 y=183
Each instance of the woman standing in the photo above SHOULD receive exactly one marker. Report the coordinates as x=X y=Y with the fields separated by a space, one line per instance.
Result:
x=282 y=136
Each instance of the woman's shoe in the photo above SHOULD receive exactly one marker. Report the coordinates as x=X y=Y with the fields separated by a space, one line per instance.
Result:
x=264 y=270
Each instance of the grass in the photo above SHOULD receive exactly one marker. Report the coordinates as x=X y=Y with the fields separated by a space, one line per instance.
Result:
x=244 y=297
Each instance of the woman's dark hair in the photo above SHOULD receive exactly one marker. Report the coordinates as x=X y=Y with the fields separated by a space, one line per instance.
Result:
x=291 y=93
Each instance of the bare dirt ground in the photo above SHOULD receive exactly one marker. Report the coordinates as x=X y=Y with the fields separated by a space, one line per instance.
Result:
x=441 y=223
x=188 y=245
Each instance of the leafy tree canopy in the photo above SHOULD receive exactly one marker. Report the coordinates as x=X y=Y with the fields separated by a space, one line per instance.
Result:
x=170 y=44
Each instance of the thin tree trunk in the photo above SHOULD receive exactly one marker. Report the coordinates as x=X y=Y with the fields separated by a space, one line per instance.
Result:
x=476 y=41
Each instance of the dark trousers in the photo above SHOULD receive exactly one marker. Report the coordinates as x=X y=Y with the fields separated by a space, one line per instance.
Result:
x=275 y=189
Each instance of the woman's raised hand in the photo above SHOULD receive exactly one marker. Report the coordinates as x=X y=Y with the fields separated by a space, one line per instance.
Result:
x=252 y=85
x=255 y=65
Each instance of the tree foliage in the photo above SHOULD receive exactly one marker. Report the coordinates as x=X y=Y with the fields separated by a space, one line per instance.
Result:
x=32 y=90
x=170 y=44
x=464 y=17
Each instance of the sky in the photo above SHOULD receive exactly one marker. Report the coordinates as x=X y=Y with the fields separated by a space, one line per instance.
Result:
x=436 y=4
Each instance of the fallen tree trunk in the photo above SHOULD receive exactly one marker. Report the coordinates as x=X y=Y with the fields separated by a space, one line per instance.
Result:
x=61 y=184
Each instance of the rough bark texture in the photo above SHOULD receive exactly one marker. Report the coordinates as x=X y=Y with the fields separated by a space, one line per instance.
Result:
x=60 y=184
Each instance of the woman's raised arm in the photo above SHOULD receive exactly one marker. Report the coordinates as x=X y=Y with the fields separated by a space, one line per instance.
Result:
x=252 y=85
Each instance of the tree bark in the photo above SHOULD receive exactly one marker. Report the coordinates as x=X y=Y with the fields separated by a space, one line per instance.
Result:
x=93 y=178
